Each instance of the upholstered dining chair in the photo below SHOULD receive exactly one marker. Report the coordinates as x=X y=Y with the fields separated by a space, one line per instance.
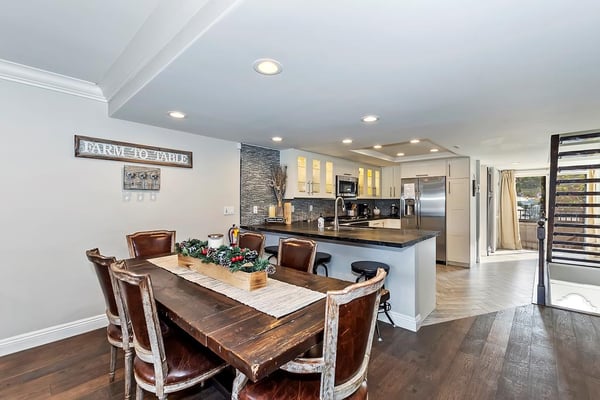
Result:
x=115 y=335
x=162 y=364
x=297 y=253
x=252 y=241
x=341 y=372
x=150 y=243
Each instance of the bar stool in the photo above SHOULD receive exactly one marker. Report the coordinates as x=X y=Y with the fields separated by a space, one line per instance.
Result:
x=367 y=270
x=320 y=259
x=271 y=251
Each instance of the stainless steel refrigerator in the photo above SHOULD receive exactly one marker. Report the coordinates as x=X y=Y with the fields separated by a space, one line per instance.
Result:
x=423 y=203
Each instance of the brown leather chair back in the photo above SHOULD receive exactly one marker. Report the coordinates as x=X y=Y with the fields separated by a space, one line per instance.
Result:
x=350 y=319
x=151 y=243
x=297 y=253
x=137 y=305
x=252 y=241
x=102 y=267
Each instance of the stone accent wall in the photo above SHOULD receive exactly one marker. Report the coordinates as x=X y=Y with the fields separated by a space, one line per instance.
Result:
x=255 y=170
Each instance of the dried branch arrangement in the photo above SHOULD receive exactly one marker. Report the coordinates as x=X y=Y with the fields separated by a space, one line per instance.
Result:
x=278 y=181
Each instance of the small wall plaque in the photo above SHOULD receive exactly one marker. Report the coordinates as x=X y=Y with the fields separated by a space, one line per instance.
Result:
x=141 y=178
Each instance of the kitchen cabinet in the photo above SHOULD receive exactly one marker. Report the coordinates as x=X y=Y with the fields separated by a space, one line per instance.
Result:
x=369 y=184
x=309 y=174
x=458 y=198
x=390 y=182
x=458 y=168
x=423 y=168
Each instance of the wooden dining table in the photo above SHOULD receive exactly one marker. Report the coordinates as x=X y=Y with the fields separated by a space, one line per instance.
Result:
x=254 y=343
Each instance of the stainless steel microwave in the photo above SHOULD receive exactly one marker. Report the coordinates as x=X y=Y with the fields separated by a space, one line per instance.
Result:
x=346 y=186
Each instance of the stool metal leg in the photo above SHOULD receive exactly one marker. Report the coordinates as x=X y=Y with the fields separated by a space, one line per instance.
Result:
x=387 y=307
x=379 y=338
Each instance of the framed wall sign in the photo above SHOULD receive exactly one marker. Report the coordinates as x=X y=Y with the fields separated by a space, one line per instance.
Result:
x=89 y=147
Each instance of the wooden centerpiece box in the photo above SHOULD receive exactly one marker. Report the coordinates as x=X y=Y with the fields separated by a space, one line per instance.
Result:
x=242 y=280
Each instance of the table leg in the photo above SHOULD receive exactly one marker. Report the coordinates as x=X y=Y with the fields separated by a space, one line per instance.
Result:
x=238 y=383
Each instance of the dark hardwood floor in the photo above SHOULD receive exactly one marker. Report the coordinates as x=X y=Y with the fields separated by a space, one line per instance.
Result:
x=528 y=352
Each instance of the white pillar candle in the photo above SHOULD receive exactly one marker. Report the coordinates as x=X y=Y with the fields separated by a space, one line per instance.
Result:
x=271 y=211
x=215 y=240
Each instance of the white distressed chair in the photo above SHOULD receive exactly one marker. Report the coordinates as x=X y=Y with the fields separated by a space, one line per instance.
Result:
x=341 y=372
x=162 y=365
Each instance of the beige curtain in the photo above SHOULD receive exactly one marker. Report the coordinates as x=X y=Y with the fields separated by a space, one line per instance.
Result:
x=509 y=220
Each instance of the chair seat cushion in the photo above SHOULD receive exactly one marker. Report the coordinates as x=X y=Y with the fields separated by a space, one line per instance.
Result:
x=272 y=249
x=283 y=385
x=186 y=359
x=322 y=257
x=368 y=268
x=115 y=335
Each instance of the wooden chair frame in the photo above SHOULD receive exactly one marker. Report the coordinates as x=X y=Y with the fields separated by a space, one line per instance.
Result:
x=306 y=242
x=101 y=261
x=156 y=355
x=160 y=232
x=326 y=364
x=257 y=235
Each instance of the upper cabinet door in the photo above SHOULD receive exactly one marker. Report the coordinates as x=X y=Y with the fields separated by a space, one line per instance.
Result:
x=390 y=182
x=423 y=168
x=369 y=182
x=309 y=175
x=458 y=168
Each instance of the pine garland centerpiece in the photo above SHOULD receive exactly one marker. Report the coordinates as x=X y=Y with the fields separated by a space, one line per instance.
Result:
x=233 y=258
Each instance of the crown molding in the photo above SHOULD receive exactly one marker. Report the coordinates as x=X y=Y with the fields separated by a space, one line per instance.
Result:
x=48 y=80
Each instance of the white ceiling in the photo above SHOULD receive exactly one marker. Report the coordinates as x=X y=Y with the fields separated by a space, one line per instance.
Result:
x=489 y=79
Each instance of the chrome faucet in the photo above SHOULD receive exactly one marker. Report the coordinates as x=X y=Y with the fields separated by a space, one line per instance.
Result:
x=336 y=222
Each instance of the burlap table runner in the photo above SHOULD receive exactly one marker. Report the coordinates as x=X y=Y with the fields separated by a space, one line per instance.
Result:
x=276 y=299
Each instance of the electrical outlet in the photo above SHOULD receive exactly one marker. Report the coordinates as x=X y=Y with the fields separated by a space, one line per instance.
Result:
x=255 y=210
x=228 y=210
x=310 y=207
x=292 y=208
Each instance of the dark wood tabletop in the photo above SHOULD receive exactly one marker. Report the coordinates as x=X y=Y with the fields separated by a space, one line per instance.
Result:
x=253 y=342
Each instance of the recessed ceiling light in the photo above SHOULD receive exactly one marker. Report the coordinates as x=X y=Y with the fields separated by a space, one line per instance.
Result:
x=413 y=141
x=399 y=154
x=276 y=139
x=377 y=146
x=267 y=66
x=176 y=114
x=347 y=141
x=370 y=118
x=515 y=163
x=434 y=150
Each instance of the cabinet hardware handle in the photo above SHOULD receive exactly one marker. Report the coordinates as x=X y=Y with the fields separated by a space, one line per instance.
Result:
x=390 y=191
x=449 y=187
x=421 y=174
x=449 y=170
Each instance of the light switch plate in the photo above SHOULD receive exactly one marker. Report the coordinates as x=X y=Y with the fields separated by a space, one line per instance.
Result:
x=228 y=210
x=255 y=210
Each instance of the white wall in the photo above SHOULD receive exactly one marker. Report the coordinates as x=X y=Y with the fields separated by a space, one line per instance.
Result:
x=56 y=206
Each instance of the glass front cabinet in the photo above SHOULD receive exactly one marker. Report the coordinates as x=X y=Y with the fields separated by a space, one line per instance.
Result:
x=309 y=174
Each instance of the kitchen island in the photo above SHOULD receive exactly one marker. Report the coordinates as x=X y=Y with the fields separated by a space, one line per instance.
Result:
x=409 y=253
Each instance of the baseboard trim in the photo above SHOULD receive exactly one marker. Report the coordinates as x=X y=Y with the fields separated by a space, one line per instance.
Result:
x=52 y=334
x=402 y=321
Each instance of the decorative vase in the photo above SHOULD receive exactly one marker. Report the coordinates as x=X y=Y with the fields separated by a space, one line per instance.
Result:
x=279 y=209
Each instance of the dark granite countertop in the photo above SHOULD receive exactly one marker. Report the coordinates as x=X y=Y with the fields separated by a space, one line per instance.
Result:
x=372 y=236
